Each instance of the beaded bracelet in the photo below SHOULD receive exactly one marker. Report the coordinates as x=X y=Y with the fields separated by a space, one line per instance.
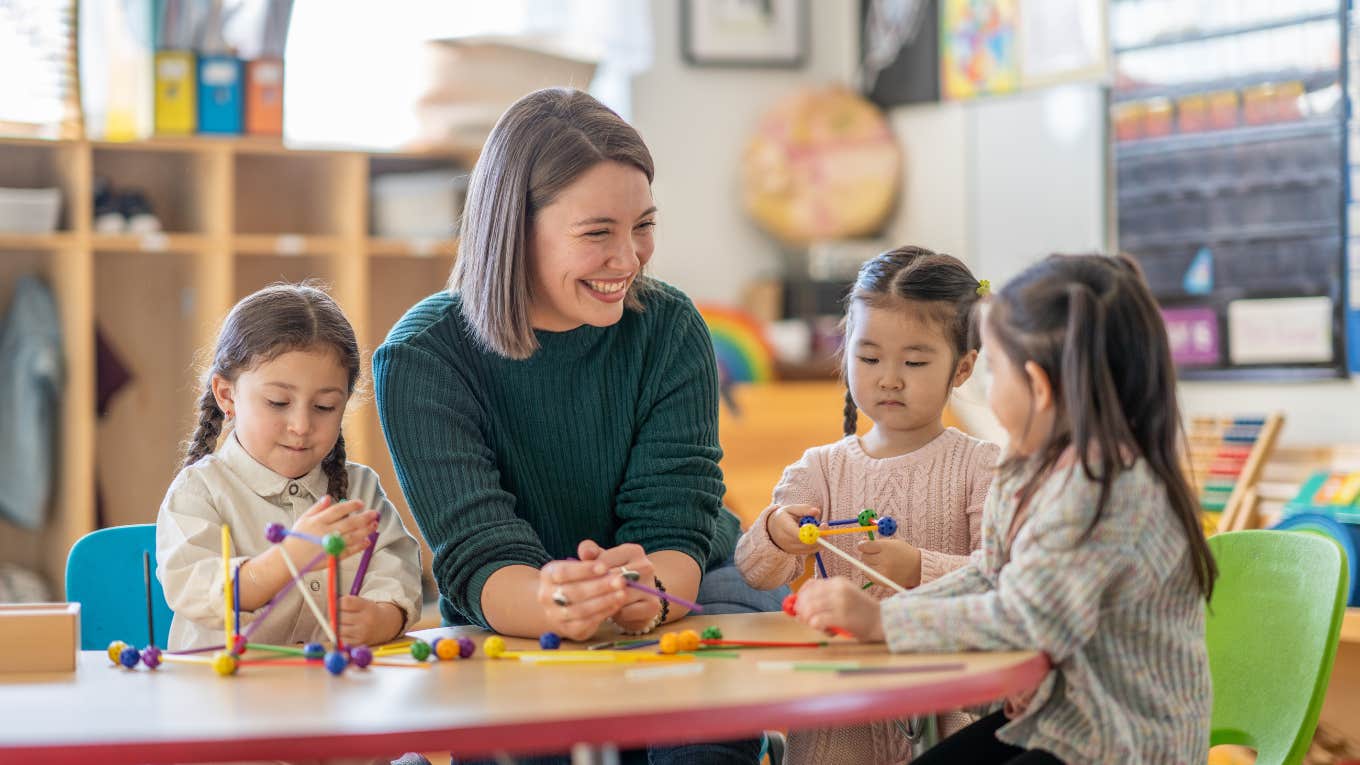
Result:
x=656 y=621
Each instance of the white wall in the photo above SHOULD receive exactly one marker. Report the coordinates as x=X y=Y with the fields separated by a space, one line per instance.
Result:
x=696 y=120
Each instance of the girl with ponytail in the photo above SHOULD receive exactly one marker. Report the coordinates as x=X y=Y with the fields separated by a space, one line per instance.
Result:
x=285 y=366
x=909 y=341
x=1092 y=550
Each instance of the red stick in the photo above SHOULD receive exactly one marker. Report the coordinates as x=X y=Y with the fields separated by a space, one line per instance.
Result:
x=334 y=581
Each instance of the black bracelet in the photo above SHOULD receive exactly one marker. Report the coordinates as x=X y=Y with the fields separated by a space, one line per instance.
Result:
x=665 y=604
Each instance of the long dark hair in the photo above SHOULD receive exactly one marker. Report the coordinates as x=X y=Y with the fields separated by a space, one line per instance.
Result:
x=939 y=285
x=1091 y=324
x=263 y=326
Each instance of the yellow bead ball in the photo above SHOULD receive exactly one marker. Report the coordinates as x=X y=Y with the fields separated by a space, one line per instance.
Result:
x=493 y=646
x=808 y=534
x=116 y=651
x=670 y=643
x=224 y=663
x=689 y=640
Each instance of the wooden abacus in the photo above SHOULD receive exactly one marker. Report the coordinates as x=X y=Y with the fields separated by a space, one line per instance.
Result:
x=1225 y=461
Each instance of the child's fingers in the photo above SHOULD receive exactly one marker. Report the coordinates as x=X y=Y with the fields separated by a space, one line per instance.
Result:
x=351 y=604
x=339 y=511
x=869 y=548
x=319 y=505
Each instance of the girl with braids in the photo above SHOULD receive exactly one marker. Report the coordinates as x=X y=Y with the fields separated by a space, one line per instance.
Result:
x=1092 y=549
x=285 y=366
x=909 y=342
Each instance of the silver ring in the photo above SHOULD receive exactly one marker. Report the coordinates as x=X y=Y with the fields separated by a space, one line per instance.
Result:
x=560 y=598
x=628 y=574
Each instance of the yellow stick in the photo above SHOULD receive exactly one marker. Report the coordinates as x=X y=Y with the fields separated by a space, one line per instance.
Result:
x=226 y=585
x=872 y=574
x=306 y=597
x=852 y=530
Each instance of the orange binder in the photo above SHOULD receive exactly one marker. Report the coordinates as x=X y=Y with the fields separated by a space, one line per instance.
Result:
x=264 y=97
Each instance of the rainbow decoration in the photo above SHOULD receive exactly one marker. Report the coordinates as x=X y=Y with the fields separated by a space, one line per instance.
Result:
x=744 y=354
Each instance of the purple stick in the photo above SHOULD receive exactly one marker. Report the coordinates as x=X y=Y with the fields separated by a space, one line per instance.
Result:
x=316 y=540
x=695 y=607
x=363 y=564
x=270 y=605
x=236 y=598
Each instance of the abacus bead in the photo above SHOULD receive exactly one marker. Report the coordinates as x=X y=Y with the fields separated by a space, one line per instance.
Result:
x=805 y=520
x=466 y=647
x=336 y=661
x=549 y=641
x=713 y=633
x=689 y=640
x=238 y=644
x=867 y=516
x=275 y=532
x=791 y=604
x=313 y=651
x=362 y=656
x=333 y=544
x=151 y=657
x=116 y=651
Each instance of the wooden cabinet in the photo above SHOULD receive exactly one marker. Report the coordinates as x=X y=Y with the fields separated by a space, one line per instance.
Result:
x=236 y=215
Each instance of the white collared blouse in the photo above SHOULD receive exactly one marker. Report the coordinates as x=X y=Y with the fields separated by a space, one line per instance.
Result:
x=231 y=487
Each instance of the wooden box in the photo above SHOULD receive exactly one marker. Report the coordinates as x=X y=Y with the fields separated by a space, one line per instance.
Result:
x=39 y=637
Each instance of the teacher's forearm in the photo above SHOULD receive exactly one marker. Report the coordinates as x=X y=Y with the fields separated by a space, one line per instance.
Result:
x=680 y=574
x=510 y=602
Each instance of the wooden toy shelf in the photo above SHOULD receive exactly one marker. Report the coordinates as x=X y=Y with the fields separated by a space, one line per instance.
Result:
x=236 y=214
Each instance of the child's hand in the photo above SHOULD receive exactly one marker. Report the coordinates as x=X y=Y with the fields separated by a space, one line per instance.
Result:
x=837 y=602
x=893 y=558
x=639 y=608
x=577 y=596
x=348 y=519
x=364 y=622
x=782 y=526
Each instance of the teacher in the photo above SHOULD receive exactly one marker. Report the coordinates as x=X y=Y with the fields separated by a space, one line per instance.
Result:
x=553 y=414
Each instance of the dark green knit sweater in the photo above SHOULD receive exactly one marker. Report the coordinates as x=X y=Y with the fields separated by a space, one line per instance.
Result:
x=608 y=434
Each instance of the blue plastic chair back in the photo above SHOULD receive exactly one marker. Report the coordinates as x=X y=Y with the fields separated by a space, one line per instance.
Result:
x=104 y=575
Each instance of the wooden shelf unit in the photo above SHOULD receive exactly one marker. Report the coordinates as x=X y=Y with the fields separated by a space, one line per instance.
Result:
x=237 y=214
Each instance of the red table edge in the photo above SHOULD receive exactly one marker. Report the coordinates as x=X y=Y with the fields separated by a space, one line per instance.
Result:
x=558 y=735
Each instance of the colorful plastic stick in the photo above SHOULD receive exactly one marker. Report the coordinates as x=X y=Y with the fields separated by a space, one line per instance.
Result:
x=306 y=596
x=894 y=586
x=334 y=574
x=821 y=567
x=226 y=584
x=695 y=607
x=236 y=600
x=146 y=579
x=259 y=618
x=363 y=564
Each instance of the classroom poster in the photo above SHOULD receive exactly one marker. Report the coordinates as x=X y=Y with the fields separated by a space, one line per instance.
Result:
x=978 y=49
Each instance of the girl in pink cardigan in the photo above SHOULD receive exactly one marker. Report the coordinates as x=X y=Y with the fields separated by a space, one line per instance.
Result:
x=908 y=343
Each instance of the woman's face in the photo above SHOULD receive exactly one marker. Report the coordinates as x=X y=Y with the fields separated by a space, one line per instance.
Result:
x=587 y=247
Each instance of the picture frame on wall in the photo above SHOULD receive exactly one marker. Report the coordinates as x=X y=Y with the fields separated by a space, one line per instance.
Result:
x=744 y=33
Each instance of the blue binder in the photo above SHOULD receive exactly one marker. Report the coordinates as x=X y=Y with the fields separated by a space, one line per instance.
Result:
x=221 y=88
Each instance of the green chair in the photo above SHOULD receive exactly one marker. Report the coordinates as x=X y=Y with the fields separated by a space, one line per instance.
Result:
x=1272 y=631
x=104 y=575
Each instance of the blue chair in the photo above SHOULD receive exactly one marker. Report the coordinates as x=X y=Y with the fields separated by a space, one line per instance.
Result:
x=104 y=575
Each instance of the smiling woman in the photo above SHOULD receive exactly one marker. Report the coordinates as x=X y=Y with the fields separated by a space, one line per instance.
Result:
x=553 y=416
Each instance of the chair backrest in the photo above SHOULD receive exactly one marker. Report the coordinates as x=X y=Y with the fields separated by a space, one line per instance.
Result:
x=104 y=575
x=1272 y=631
